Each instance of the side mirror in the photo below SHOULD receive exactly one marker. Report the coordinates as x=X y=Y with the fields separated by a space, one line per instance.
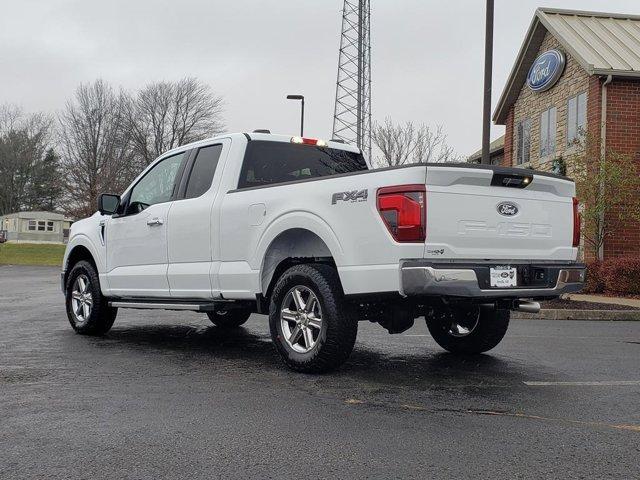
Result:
x=108 y=203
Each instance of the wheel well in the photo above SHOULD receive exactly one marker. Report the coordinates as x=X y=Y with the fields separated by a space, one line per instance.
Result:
x=292 y=247
x=77 y=254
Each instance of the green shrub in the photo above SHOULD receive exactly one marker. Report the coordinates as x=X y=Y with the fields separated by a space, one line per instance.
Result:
x=621 y=276
x=595 y=282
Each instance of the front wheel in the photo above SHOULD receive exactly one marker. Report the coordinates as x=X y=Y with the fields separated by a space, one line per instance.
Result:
x=467 y=330
x=88 y=311
x=310 y=323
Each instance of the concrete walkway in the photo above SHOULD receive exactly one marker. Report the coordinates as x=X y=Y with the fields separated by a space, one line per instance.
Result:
x=570 y=314
x=629 y=302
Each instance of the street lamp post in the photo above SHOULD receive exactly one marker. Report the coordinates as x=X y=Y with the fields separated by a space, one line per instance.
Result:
x=301 y=98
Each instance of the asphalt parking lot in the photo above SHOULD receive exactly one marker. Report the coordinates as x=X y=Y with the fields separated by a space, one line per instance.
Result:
x=168 y=395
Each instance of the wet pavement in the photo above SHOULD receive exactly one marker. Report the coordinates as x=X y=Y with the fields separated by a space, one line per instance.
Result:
x=168 y=395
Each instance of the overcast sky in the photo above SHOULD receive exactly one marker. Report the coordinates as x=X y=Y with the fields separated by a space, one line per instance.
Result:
x=427 y=56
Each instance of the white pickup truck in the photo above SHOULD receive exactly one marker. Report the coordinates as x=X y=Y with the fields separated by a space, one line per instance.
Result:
x=305 y=232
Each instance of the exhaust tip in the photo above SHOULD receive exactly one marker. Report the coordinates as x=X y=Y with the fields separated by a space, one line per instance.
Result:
x=526 y=306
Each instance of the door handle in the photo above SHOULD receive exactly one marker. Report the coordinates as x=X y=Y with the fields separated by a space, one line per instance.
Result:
x=154 y=222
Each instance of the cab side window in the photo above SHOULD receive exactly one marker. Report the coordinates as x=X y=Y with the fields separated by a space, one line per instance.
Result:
x=156 y=186
x=204 y=167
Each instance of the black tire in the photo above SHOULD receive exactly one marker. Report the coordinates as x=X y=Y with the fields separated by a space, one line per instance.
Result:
x=231 y=318
x=101 y=316
x=487 y=328
x=336 y=336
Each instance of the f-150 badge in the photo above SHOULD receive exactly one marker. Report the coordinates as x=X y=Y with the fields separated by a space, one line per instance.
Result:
x=352 y=196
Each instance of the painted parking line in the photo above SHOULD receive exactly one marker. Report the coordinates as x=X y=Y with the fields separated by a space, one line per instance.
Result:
x=606 y=383
x=630 y=427
x=521 y=415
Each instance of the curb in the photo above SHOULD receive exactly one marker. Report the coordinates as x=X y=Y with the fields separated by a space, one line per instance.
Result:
x=559 y=314
x=628 y=302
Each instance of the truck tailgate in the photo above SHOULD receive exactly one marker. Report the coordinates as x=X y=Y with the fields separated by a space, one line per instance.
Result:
x=495 y=213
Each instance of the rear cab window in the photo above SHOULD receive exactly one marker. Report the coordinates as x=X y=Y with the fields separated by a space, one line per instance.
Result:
x=202 y=171
x=268 y=163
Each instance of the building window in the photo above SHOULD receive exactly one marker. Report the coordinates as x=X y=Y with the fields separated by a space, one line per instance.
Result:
x=576 y=118
x=524 y=142
x=50 y=226
x=32 y=225
x=548 y=132
x=41 y=225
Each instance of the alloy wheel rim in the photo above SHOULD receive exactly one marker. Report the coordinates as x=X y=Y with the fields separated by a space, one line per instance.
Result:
x=461 y=327
x=301 y=319
x=81 y=299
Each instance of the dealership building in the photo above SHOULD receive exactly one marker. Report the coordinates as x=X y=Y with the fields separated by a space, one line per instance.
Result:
x=577 y=73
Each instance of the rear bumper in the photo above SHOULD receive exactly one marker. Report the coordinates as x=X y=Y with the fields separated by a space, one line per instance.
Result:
x=423 y=278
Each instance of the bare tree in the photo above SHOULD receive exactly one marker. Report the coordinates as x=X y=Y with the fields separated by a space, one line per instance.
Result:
x=24 y=139
x=94 y=146
x=165 y=115
x=401 y=144
x=10 y=116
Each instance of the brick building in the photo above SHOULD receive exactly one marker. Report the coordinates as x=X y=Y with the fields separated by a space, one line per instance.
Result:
x=577 y=73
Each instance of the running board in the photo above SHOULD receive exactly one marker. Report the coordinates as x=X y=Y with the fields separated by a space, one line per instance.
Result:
x=196 y=307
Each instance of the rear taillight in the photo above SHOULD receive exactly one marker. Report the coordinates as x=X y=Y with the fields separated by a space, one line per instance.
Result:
x=403 y=210
x=576 y=223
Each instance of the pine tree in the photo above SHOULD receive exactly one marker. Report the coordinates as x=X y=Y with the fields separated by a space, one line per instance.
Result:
x=45 y=185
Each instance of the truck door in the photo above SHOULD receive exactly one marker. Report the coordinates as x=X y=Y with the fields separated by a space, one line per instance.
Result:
x=193 y=225
x=136 y=240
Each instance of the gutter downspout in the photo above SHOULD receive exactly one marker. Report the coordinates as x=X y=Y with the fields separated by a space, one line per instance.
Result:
x=603 y=154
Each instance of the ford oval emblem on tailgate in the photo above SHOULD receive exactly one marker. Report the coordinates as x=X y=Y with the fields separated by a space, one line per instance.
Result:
x=507 y=209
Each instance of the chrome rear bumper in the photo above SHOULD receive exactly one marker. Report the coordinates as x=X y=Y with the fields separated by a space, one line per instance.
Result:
x=471 y=280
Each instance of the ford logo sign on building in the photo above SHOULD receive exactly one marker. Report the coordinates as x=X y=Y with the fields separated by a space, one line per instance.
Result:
x=507 y=209
x=546 y=70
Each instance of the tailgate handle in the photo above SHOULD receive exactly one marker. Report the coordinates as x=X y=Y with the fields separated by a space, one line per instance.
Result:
x=511 y=180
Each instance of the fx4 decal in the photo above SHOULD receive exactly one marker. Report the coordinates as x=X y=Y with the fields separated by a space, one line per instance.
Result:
x=352 y=196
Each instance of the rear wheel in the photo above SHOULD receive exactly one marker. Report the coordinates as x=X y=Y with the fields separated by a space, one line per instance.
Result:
x=229 y=318
x=467 y=330
x=310 y=323
x=88 y=311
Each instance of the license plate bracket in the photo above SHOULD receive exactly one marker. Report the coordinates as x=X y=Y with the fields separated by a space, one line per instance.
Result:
x=503 y=276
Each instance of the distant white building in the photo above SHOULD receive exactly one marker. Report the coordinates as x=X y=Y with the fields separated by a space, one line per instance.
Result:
x=35 y=227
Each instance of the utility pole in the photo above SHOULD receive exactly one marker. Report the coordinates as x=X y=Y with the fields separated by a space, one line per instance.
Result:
x=488 y=72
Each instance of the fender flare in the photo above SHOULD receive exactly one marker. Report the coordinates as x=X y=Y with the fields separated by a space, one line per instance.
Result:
x=298 y=220
x=81 y=240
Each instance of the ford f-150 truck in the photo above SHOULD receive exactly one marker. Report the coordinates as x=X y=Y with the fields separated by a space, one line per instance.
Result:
x=307 y=233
